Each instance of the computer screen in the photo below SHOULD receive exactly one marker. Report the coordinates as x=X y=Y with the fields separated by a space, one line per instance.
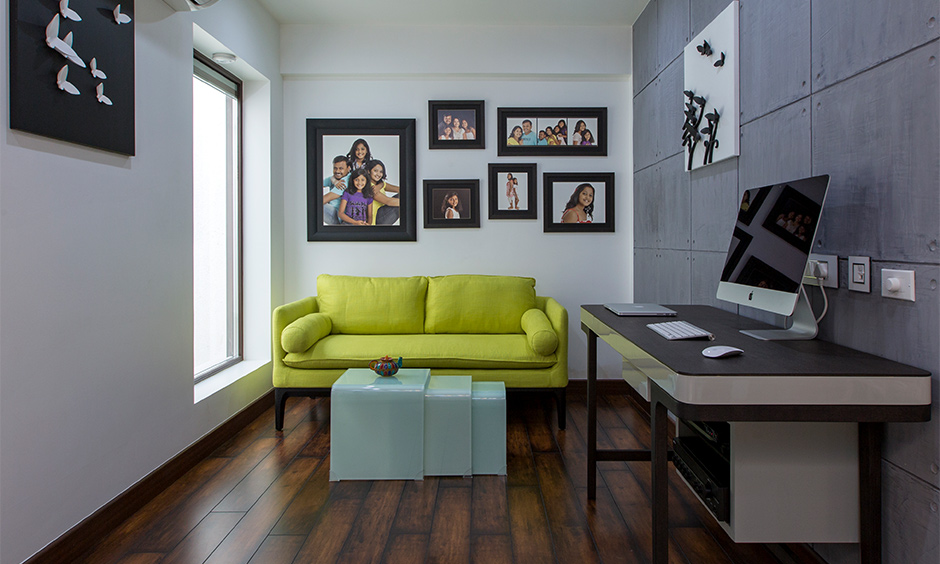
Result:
x=770 y=245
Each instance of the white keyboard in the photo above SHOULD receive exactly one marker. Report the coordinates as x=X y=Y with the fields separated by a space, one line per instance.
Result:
x=674 y=330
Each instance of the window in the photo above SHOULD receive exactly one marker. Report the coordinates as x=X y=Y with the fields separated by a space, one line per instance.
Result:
x=217 y=97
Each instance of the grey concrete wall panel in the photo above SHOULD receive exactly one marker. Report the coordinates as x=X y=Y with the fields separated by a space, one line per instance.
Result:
x=657 y=115
x=775 y=55
x=703 y=12
x=878 y=136
x=672 y=30
x=645 y=143
x=662 y=276
x=661 y=206
x=645 y=48
x=706 y=272
x=903 y=331
x=715 y=204
x=776 y=147
x=850 y=36
x=910 y=521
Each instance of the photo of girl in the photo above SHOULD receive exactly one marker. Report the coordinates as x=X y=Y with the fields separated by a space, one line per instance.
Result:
x=385 y=208
x=578 y=128
x=450 y=207
x=451 y=203
x=355 y=207
x=359 y=154
x=580 y=206
x=587 y=138
x=511 y=194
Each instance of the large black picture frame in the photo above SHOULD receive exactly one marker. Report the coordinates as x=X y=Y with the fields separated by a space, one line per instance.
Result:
x=338 y=136
x=70 y=107
x=508 y=118
x=566 y=184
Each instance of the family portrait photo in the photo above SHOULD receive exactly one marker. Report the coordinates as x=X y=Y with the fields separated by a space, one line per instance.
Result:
x=552 y=131
x=512 y=191
x=361 y=181
x=451 y=203
x=455 y=124
x=579 y=202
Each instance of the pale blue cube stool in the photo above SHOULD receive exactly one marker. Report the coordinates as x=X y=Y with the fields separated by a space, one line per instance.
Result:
x=377 y=425
x=447 y=427
x=489 y=428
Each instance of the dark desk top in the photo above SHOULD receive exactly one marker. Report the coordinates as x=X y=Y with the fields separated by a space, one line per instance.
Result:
x=761 y=358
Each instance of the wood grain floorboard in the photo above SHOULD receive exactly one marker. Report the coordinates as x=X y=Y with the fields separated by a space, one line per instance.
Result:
x=264 y=497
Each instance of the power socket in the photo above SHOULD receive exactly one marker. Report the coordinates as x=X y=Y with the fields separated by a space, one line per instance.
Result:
x=829 y=263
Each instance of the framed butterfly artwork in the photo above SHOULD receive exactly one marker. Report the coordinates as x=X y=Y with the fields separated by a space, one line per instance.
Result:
x=72 y=71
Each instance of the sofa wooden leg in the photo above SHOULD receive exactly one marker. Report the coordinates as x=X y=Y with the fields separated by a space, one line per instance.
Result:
x=280 y=399
x=561 y=406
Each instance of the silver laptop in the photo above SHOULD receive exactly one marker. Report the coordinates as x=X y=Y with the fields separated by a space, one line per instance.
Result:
x=640 y=310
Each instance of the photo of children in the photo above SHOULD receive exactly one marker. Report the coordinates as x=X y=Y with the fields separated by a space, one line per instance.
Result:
x=512 y=191
x=456 y=125
x=578 y=202
x=516 y=193
x=361 y=190
x=551 y=131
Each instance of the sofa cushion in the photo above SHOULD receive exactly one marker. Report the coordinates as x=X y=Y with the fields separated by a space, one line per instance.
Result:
x=478 y=304
x=301 y=334
x=539 y=332
x=424 y=351
x=375 y=306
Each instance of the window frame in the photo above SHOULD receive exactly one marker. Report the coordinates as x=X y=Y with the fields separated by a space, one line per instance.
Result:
x=213 y=74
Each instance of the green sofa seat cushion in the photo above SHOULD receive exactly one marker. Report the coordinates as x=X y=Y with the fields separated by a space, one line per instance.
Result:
x=422 y=351
x=373 y=306
x=477 y=304
x=304 y=332
x=539 y=332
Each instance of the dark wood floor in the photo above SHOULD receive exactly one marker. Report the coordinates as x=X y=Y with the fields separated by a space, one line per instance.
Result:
x=265 y=497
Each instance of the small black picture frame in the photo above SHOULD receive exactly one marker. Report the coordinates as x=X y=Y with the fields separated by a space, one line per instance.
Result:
x=751 y=202
x=524 y=132
x=438 y=208
x=389 y=141
x=561 y=188
x=513 y=191
x=793 y=218
x=470 y=117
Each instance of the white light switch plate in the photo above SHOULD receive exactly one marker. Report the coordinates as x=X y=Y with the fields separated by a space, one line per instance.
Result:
x=905 y=282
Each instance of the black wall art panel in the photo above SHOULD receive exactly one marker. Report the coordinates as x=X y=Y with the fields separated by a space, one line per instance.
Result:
x=72 y=71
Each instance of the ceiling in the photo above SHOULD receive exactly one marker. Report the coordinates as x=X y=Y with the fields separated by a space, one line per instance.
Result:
x=457 y=12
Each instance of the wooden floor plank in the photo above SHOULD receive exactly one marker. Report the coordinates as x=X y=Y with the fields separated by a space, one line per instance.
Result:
x=490 y=514
x=491 y=549
x=539 y=422
x=141 y=558
x=520 y=465
x=531 y=537
x=328 y=536
x=367 y=539
x=416 y=510
x=613 y=538
x=406 y=548
x=450 y=532
x=301 y=514
x=699 y=546
x=204 y=539
x=278 y=549
x=250 y=533
x=319 y=445
x=567 y=522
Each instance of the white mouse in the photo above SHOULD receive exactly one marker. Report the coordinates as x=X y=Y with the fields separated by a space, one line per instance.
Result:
x=721 y=351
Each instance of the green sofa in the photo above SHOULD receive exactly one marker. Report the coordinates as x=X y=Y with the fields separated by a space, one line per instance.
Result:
x=493 y=328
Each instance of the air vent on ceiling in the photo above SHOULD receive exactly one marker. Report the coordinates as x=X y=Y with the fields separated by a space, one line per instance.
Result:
x=188 y=5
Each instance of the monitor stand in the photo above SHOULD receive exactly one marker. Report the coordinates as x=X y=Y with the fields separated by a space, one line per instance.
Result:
x=802 y=324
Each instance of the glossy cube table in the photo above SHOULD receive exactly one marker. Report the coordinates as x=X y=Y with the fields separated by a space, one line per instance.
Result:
x=447 y=427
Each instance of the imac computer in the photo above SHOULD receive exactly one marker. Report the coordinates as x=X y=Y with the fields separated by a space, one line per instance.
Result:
x=770 y=246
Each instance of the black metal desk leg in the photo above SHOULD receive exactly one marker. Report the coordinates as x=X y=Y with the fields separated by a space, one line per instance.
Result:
x=592 y=414
x=869 y=491
x=660 y=495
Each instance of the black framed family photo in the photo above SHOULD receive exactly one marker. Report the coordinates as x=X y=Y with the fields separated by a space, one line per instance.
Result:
x=361 y=180
x=578 y=202
x=513 y=189
x=451 y=203
x=456 y=124
x=552 y=131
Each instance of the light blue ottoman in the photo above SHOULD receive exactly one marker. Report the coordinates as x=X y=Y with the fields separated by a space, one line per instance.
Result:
x=447 y=428
x=377 y=425
x=489 y=428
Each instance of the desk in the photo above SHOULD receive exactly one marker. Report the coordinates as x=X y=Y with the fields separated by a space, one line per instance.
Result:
x=792 y=381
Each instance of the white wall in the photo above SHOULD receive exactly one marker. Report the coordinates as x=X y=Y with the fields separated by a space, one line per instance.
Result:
x=505 y=66
x=96 y=368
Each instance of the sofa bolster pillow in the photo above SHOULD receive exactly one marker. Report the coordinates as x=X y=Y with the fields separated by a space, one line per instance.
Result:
x=304 y=332
x=539 y=332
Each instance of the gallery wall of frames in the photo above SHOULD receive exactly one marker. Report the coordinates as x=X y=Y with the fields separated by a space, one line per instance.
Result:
x=362 y=183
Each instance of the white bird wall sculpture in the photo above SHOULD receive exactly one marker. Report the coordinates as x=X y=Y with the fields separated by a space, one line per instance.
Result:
x=62 y=81
x=64 y=48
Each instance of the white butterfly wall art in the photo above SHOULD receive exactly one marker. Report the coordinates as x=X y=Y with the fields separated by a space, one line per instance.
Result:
x=68 y=12
x=95 y=71
x=119 y=17
x=100 y=94
x=62 y=81
x=64 y=48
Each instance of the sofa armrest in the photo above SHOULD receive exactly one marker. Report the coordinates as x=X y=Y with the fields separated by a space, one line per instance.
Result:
x=558 y=316
x=285 y=315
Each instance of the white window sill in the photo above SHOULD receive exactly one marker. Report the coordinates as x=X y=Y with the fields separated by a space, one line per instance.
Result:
x=225 y=378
